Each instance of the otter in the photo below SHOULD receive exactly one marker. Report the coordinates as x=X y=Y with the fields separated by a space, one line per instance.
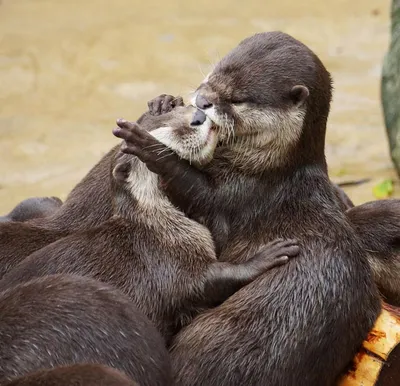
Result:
x=63 y=320
x=31 y=208
x=87 y=205
x=75 y=375
x=269 y=100
x=378 y=223
x=161 y=259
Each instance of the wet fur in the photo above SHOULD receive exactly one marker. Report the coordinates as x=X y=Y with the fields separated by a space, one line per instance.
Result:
x=287 y=326
x=63 y=320
x=88 y=205
x=75 y=375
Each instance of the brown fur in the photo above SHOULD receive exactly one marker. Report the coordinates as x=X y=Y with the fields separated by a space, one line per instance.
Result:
x=88 y=205
x=150 y=250
x=32 y=208
x=343 y=197
x=378 y=224
x=63 y=320
x=75 y=375
x=270 y=99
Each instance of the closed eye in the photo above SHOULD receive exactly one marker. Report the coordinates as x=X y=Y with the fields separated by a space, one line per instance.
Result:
x=237 y=102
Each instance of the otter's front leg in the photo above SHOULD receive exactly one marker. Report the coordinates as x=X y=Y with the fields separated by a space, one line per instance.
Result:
x=182 y=182
x=224 y=279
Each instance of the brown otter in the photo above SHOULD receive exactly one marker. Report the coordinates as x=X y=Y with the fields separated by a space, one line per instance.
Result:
x=150 y=250
x=31 y=208
x=75 y=375
x=87 y=205
x=378 y=223
x=63 y=320
x=269 y=99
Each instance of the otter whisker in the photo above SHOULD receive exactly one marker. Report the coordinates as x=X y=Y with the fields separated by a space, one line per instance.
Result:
x=163 y=150
x=166 y=155
x=201 y=70
x=153 y=146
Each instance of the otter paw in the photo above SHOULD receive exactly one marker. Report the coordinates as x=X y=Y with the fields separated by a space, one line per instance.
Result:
x=139 y=143
x=275 y=253
x=164 y=104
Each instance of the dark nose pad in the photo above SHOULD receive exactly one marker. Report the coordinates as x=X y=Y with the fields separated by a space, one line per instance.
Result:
x=202 y=103
x=198 y=118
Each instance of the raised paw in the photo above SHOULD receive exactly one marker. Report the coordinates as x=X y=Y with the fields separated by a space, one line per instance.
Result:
x=274 y=254
x=137 y=140
x=140 y=143
x=164 y=104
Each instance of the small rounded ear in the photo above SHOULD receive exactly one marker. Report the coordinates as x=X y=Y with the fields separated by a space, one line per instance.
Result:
x=298 y=95
x=121 y=171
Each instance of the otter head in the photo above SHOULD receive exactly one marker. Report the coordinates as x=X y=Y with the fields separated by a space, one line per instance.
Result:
x=189 y=133
x=270 y=92
x=185 y=130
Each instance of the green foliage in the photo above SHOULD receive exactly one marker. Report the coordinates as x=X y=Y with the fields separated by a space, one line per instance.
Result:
x=383 y=189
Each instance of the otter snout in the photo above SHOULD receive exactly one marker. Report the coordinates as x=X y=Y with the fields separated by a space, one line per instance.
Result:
x=202 y=102
x=198 y=118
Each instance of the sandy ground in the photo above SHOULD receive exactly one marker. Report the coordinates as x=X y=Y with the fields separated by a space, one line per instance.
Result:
x=68 y=69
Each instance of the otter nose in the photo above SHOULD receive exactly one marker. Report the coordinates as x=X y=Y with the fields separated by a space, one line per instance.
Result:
x=198 y=118
x=202 y=103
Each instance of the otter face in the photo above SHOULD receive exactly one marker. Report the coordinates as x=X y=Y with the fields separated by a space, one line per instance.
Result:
x=185 y=130
x=189 y=133
x=260 y=90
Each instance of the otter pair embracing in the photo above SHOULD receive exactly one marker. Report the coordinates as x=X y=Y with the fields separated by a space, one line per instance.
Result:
x=149 y=251
x=269 y=101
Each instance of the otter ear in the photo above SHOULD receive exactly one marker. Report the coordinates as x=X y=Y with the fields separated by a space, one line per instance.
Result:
x=298 y=95
x=121 y=171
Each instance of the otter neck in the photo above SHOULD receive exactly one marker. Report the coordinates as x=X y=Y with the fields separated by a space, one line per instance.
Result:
x=141 y=203
x=311 y=147
x=141 y=199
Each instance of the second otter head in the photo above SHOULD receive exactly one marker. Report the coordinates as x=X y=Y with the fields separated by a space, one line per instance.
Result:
x=185 y=130
x=268 y=89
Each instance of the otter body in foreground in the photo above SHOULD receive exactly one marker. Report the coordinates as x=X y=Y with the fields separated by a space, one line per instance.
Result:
x=150 y=250
x=63 y=320
x=75 y=375
x=88 y=205
x=269 y=99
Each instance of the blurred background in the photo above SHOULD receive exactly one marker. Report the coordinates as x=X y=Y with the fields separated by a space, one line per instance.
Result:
x=68 y=69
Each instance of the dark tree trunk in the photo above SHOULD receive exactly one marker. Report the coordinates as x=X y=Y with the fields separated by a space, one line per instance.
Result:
x=390 y=87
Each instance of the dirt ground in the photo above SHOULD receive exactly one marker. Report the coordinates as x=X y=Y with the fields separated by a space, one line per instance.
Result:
x=68 y=69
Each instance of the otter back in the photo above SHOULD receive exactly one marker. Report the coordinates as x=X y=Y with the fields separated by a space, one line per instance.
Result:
x=88 y=204
x=62 y=320
x=75 y=375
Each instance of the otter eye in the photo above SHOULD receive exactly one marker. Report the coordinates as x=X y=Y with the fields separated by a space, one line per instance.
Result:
x=237 y=102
